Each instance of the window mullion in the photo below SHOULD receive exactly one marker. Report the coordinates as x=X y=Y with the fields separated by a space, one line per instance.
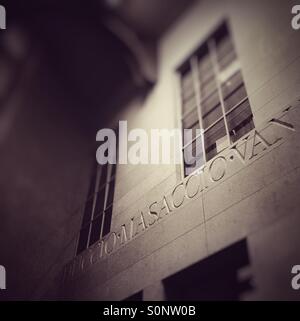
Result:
x=196 y=82
x=214 y=60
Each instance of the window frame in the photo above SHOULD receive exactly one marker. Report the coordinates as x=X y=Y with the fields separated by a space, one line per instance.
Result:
x=93 y=195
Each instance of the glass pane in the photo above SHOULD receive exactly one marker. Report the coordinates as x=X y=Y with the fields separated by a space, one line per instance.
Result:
x=103 y=175
x=95 y=230
x=189 y=104
x=190 y=119
x=107 y=221
x=187 y=81
x=225 y=61
x=236 y=97
x=224 y=46
x=100 y=197
x=232 y=83
x=225 y=50
x=205 y=64
x=240 y=121
x=208 y=87
x=193 y=156
x=215 y=139
x=187 y=92
x=209 y=103
x=93 y=181
x=206 y=75
x=83 y=238
x=88 y=211
x=113 y=170
x=233 y=91
x=212 y=115
x=111 y=191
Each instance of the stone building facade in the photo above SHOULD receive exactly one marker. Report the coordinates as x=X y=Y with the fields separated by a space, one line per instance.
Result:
x=226 y=231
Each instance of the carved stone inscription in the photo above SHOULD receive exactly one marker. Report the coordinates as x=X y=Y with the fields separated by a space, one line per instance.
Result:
x=242 y=153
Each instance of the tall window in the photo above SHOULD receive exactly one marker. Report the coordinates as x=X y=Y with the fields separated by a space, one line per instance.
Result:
x=214 y=99
x=98 y=208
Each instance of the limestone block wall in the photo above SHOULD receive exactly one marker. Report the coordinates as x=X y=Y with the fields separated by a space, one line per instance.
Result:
x=249 y=191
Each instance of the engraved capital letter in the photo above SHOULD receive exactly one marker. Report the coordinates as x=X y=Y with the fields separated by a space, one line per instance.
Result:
x=258 y=140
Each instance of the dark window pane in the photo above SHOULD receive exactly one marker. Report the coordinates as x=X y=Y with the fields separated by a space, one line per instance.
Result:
x=209 y=103
x=190 y=119
x=225 y=61
x=215 y=139
x=212 y=115
x=225 y=50
x=233 y=91
x=224 y=46
x=100 y=197
x=83 y=238
x=231 y=84
x=240 y=121
x=93 y=181
x=214 y=278
x=187 y=81
x=107 y=221
x=187 y=92
x=189 y=104
x=208 y=87
x=89 y=204
x=103 y=175
x=187 y=86
x=95 y=230
x=205 y=65
x=113 y=170
x=235 y=98
x=111 y=191
x=87 y=211
x=206 y=75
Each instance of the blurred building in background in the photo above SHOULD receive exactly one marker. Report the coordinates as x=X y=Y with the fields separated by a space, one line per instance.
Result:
x=73 y=230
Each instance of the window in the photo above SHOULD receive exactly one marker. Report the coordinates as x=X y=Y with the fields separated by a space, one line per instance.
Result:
x=98 y=208
x=213 y=99
x=218 y=277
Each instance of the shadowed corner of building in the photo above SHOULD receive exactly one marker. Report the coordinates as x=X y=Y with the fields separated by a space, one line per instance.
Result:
x=66 y=71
